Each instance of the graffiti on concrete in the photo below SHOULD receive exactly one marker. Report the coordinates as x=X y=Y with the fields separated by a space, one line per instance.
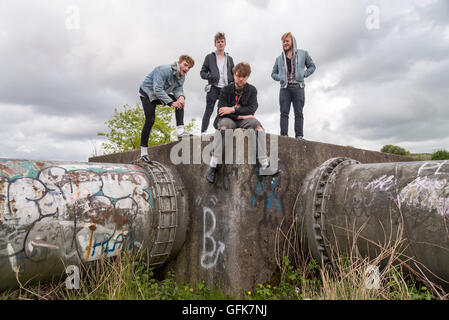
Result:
x=272 y=199
x=209 y=257
x=74 y=210
x=427 y=192
x=434 y=167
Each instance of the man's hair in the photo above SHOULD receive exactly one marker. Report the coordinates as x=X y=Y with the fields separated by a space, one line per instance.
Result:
x=187 y=59
x=219 y=36
x=243 y=69
x=285 y=35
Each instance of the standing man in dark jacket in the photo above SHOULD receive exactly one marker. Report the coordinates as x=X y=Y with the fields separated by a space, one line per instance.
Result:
x=290 y=69
x=236 y=108
x=217 y=70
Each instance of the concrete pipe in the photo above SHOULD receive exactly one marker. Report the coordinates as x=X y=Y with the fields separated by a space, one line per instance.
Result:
x=374 y=205
x=56 y=214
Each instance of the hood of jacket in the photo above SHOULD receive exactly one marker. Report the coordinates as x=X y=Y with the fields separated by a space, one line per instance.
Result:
x=176 y=70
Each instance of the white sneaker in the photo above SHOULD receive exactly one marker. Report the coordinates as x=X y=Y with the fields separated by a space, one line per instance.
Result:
x=184 y=134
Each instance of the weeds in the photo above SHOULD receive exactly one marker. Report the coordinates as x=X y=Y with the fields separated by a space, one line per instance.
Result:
x=350 y=276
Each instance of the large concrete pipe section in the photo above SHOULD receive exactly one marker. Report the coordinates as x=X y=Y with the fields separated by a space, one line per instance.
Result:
x=56 y=214
x=343 y=202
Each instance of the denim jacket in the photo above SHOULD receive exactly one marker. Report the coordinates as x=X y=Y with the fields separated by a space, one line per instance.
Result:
x=162 y=81
x=304 y=66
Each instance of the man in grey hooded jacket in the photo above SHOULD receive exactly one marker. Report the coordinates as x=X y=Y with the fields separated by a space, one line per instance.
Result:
x=290 y=69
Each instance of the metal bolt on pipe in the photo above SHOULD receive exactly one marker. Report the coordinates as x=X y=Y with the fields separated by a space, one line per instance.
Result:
x=56 y=214
x=343 y=201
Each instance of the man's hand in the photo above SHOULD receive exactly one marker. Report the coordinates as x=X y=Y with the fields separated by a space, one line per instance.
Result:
x=226 y=110
x=181 y=100
x=177 y=105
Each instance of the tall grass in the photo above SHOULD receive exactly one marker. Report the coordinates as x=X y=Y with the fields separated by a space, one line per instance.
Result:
x=350 y=275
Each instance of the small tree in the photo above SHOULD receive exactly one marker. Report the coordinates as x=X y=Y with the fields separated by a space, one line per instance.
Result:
x=389 y=148
x=440 y=155
x=126 y=126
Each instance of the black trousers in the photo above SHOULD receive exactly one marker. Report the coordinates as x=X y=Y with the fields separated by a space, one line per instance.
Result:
x=211 y=97
x=149 y=108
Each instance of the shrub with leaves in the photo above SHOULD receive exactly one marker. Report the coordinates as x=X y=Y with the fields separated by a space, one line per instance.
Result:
x=126 y=126
x=389 y=148
x=440 y=155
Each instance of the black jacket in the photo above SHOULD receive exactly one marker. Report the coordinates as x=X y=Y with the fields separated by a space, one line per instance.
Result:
x=248 y=102
x=209 y=70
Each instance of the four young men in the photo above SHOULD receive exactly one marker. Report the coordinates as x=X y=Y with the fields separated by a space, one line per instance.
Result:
x=237 y=99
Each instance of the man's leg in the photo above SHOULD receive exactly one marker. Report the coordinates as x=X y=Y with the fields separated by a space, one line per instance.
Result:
x=261 y=147
x=298 y=106
x=284 y=103
x=211 y=98
x=149 y=109
x=179 y=116
x=217 y=149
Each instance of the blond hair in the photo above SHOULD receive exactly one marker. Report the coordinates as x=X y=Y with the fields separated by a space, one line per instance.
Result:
x=285 y=35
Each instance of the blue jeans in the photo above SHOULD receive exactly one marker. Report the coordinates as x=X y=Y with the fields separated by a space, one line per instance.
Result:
x=286 y=97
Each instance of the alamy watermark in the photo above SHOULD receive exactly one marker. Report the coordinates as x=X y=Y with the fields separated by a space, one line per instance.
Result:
x=372 y=21
x=72 y=21
x=73 y=277
x=190 y=150
x=372 y=280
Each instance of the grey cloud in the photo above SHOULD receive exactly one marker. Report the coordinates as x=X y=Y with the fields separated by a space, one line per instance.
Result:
x=86 y=73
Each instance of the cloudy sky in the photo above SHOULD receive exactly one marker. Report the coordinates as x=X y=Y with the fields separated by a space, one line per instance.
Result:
x=382 y=67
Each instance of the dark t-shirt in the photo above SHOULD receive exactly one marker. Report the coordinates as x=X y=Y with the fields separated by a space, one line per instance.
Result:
x=289 y=65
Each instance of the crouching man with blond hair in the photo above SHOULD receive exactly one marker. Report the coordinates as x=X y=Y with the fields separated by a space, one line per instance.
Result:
x=164 y=86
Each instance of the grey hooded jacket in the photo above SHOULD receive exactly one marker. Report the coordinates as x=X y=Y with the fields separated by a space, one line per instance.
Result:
x=304 y=66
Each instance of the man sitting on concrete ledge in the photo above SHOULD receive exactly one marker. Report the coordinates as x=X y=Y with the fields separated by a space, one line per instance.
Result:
x=236 y=107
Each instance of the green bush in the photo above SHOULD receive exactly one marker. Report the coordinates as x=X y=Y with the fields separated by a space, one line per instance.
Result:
x=389 y=148
x=440 y=155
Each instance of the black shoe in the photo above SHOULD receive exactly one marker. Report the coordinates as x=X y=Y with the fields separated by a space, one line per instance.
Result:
x=211 y=174
x=146 y=159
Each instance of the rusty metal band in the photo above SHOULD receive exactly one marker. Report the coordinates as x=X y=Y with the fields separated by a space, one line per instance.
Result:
x=166 y=206
x=323 y=190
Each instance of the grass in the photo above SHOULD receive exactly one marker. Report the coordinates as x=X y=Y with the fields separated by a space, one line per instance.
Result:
x=128 y=279
x=421 y=156
x=351 y=276
x=121 y=278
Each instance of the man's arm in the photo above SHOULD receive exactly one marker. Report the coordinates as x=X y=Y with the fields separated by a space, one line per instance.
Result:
x=178 y=91
x=231 y=66
x=309 y=65
x=158 y=86
x=205 y=69
x=275 y=72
